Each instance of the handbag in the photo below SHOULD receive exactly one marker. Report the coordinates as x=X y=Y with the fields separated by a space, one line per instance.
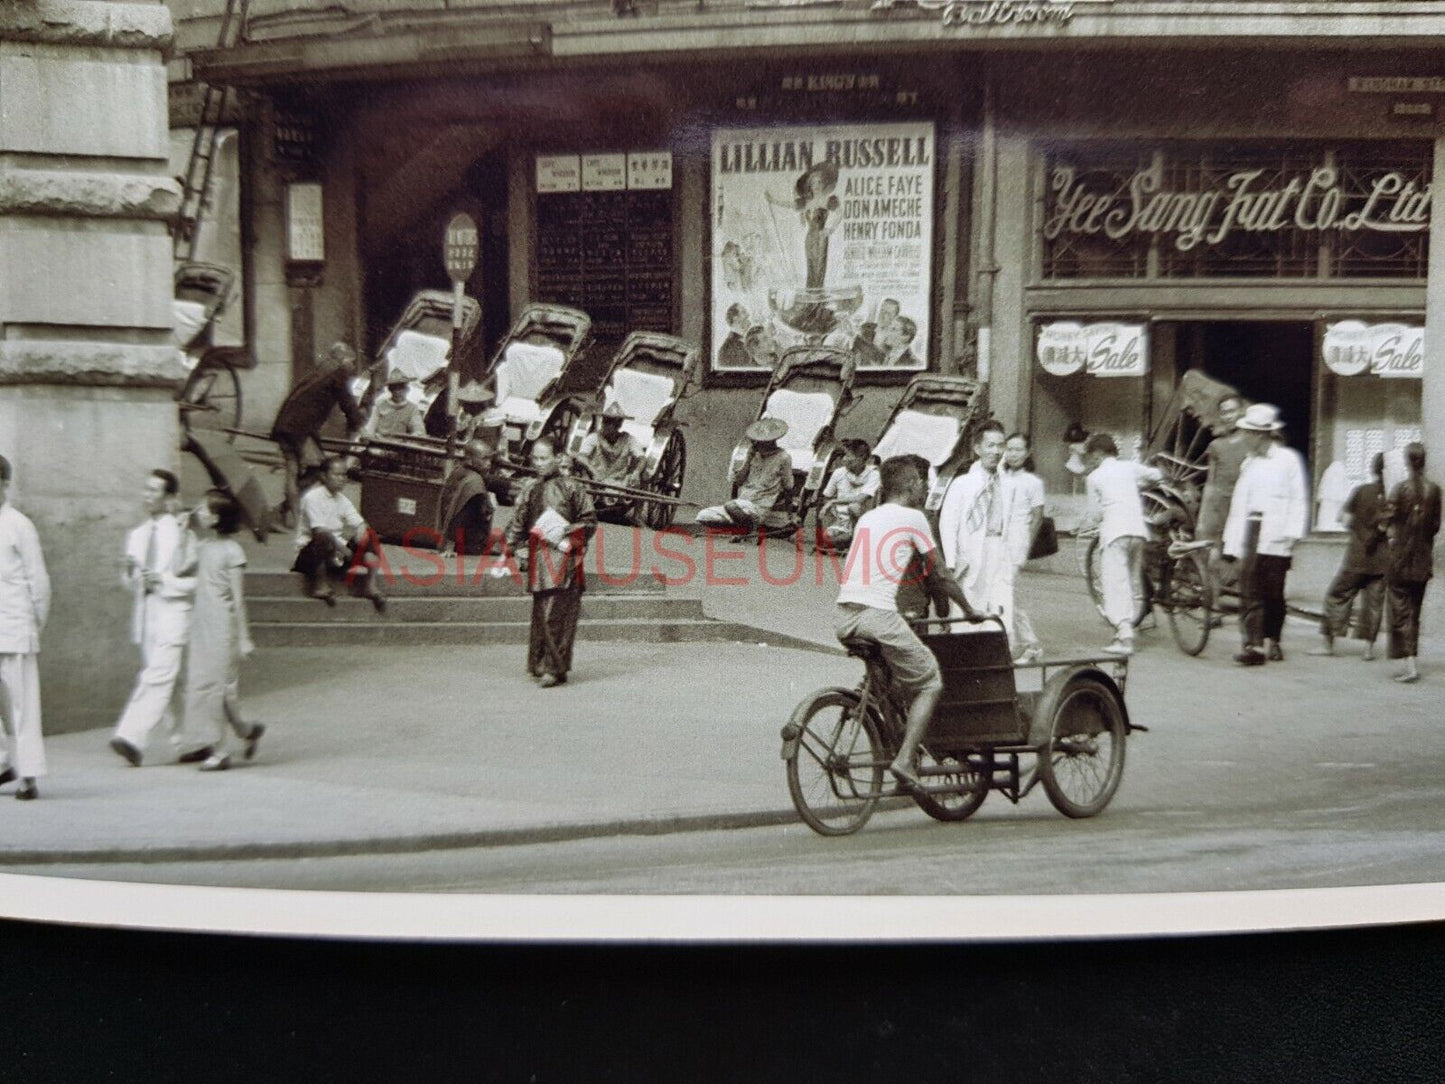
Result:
x=1046 y=540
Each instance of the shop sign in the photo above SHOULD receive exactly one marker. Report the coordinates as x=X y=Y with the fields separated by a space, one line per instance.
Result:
x=604 y=172
x=822 y=234
x=998 y=12
x=1106 y=349
x=558 y=173
x=1245 y=201
x=1397 y=84
x=1352 y=347
x=649 y=171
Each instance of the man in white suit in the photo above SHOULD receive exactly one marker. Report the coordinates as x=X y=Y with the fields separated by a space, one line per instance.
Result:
x=24 y=606
x=983 y=526
x=162 y=578
x=1268 y=514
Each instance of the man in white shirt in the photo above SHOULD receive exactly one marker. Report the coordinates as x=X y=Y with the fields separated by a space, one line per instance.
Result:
x=849 y=491
x=397 y=415
x=1115 y=507
x=334 y=542
x=886 y=540
x=160 y=573
x=24 y=606
x=982 y=524
x=1268 y=514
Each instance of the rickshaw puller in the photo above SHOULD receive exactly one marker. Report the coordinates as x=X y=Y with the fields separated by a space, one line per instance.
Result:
x=611 y=454
x=554 y=515
x=397 y=416
x=334 y=542
x=466 y=507
x=891 y=535
x=767 y=484
x=297 y=428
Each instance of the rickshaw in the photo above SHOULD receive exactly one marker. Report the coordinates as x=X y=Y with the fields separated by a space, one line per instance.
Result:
x=839 y=742
x=419 y=346
x=650 y=374
x=935 y=418
x=210 y=396
x=811 y=389
x=527 y=374
x=1176 y=568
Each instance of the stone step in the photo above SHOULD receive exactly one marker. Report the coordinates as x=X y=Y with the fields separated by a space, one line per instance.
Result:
x=461 y=609
x=388 y=633
x=426 y=583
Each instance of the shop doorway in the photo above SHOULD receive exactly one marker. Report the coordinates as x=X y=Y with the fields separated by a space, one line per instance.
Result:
x=1268 y=361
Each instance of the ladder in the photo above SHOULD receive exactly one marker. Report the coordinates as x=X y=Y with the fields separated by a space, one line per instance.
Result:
x=200 y=166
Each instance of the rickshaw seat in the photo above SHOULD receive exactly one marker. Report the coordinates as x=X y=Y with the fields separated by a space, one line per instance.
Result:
x=188 y=318
x=418 y=355
x=860 y=648
x=979 y=702
x=523 y=374
x=913 y=432
x=806 y=414
x=644 y=396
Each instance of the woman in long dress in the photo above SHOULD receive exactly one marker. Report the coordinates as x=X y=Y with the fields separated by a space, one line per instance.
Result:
x=219 y=637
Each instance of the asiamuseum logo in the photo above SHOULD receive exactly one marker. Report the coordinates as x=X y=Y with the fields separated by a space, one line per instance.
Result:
x=995 y=12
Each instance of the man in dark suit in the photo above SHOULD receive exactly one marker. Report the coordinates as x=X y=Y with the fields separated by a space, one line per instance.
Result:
x=733 y=354
x=898 y=341
x=297 y=428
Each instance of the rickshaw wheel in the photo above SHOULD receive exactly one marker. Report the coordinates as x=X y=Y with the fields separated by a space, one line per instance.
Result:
x=1082 y=762
x=211 y=400
x=951 y=807
x=1189 y=601
x=1096 y=584
x=666 y=482
x=835 y=773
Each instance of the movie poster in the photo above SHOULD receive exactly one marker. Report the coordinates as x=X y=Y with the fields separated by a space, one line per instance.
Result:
x=822 y=235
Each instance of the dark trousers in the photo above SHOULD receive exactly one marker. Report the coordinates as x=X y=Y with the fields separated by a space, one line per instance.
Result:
x=1261 y=586
x=554 y=628
x=1370 y=587
x=328 y=557
x=1406 y=598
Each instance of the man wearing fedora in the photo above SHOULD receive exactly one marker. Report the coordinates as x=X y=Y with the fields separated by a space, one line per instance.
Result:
x=1268 y=514
x=767 y=480
x=397 y=415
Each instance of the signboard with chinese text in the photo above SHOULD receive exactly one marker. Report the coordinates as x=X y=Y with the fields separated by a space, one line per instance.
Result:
x=822 y=234
x=559 y=173
x=604 y=172
x=1105 y=349
x=1352 y=347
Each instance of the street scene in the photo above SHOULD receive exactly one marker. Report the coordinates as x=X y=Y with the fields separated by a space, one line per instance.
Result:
x=438 y=457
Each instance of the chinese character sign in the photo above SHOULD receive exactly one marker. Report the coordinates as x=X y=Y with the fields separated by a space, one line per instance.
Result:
x=822 y=235
x=1109 y=349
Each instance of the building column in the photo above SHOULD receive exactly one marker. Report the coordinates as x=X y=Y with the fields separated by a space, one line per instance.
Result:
x=1012 y=348
x=87 y=361
x=1432 y=380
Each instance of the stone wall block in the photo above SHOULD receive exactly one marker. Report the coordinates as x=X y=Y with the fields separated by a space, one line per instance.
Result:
x=104 y=364
x=87 y=22
x=84 y=272
x=105 y=104
x=113 y=195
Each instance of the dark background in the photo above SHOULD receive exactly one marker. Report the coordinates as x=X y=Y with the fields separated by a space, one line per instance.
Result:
x=85 y=1004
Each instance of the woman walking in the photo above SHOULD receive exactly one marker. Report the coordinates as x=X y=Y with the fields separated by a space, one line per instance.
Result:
x=219 y=636
x=1028 y=501
x=1414 y=522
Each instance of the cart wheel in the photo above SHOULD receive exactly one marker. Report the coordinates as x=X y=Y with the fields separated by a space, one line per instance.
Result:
x=1096 y=583
x=835 y=774
x=666 y=482
x=952 y=807
x=211 y=400
x=1083 y=760
x=1189 y=600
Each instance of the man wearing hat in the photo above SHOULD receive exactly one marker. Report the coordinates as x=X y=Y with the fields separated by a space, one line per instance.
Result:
x=297 y=428
x=24 y=606
x=1268 y=514
x=473 y=399
x=397 y=416
x=767 y=473
x=611 y=454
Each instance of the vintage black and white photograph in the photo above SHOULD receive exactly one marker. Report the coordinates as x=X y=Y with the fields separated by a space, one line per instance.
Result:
x=723 y=448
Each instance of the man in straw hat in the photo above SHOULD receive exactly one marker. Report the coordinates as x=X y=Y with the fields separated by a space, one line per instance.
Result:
x=24 y=606
x=612 y=454
x=1268 y=514
x=397 y=415
x=767 y=474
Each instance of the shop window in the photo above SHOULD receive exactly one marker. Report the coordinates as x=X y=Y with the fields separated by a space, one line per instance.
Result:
x=1369 y=402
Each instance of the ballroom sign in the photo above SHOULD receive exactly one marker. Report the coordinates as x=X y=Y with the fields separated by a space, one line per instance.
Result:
x=1213 y=207
x=1106 y=349
x=1352 y=347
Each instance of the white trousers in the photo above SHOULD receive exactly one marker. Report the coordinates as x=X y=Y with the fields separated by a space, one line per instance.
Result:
x=1121 y=579
x=163 y=645
x=989 y=587
x=20 y=715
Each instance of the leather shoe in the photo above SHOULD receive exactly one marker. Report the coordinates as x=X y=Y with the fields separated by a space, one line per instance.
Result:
x=28 y=792
x=1276 y=653
x=126 y=750
x=7 y=776
x=195 y=756
x=1250 y=657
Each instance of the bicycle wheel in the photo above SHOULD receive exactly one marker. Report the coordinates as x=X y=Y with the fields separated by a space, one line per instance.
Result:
x=211 y=400
x=1083 y=760
x=835 y=771
x=1189 y=601
x=1096 y=584
x=951 y=807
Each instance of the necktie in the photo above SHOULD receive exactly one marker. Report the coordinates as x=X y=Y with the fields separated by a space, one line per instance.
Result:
x=984 y=515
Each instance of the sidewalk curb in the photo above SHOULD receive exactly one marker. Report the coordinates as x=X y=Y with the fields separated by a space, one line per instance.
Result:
x=442 y=841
